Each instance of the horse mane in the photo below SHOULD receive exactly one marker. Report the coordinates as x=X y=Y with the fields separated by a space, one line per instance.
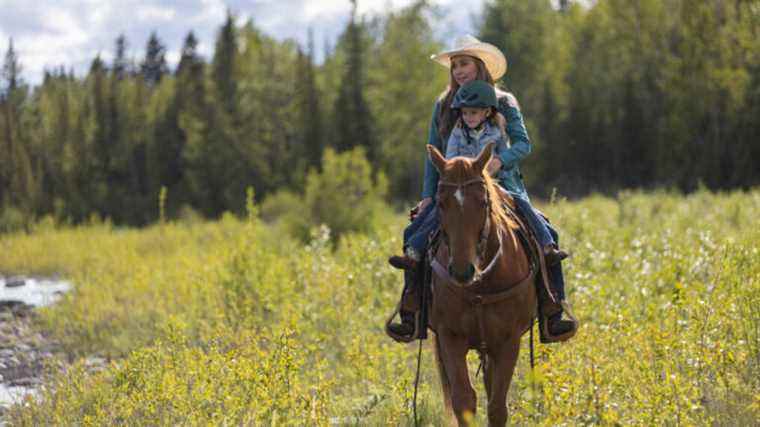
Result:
x=499 y=214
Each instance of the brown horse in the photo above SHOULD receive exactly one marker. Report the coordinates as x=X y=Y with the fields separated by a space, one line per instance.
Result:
x=483 y=289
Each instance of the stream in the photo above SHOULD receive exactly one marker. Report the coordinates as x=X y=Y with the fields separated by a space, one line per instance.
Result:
x=23 y=351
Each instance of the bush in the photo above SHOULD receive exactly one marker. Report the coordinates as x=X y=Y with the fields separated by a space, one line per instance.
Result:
x=286 y=210
x=12 y=219
x=344 y=196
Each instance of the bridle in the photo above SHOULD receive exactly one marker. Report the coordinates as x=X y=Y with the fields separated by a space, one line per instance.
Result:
x=485 y=231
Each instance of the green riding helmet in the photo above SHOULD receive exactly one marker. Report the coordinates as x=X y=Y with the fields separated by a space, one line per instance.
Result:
x=477 y=93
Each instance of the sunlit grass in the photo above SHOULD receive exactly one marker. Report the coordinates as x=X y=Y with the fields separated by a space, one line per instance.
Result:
x=231 y=322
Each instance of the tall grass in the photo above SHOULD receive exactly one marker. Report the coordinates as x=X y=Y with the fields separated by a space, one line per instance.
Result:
x=233 y=323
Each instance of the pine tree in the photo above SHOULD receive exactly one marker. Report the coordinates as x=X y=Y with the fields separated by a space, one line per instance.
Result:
x=154 y=67
x=170 y=139
x=120 y=68
x=352 y=116
x=223 y=65
x=310 y=110
x=189 y=60
x=17 y=179
x=11 y=72
x=99 y=138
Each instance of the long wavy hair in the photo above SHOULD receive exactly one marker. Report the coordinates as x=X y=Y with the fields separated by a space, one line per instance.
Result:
x=446 y=116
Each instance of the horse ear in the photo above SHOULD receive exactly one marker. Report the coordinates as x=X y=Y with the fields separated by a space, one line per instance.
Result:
x=484 y=157
x=436 y=157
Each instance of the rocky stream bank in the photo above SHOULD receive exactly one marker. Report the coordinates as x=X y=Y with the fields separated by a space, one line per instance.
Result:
x=27 y=354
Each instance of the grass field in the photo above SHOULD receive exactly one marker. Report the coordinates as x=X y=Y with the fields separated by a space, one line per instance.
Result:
x=233 y=322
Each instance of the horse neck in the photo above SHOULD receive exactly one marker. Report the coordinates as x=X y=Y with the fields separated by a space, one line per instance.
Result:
x=511 y=266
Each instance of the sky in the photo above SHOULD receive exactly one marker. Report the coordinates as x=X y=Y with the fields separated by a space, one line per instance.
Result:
x=50 y=33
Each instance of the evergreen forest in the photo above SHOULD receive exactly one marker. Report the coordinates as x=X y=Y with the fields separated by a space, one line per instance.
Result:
x=616 y=95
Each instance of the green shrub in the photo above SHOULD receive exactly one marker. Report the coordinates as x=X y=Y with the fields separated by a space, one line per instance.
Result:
x=12 y=219
x=288 y=211
x=344 y=195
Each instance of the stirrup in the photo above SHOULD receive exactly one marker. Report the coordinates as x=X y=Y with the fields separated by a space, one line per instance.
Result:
x=403 y=338
x=543 y=326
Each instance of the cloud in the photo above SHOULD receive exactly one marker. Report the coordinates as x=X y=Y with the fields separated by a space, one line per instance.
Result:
x=50 y=33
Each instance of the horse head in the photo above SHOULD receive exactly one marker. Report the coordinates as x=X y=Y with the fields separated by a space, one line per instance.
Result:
x=464 y=208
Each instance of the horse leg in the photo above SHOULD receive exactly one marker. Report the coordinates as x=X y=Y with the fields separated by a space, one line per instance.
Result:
x=454 y=358
x=445 y=384
x=497 y=378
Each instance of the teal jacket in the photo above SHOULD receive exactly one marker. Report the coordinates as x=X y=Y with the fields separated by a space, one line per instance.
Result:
x=518 y=148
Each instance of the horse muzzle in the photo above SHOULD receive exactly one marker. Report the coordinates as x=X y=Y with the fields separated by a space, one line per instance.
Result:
x=462 y=277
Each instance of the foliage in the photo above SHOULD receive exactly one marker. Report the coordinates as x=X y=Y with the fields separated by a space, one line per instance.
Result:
x=344 y=195
x=615 y=95
x=633 y=94
x=231 y=322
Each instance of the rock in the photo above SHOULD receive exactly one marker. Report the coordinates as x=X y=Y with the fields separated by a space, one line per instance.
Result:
x=23 y=310
x=6 y=353
x=26 y=382
x=15 y=282
x=11 y=305
x=95 y=363
x=5 y=316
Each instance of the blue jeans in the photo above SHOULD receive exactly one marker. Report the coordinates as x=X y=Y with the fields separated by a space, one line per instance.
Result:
x=535 y=221
x=416 y=234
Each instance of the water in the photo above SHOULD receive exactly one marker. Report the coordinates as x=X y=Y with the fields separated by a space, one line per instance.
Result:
x=10 y=395
x=36 y=293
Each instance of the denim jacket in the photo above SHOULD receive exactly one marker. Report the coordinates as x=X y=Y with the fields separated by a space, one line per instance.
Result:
x=460 y=145
x=517 y=148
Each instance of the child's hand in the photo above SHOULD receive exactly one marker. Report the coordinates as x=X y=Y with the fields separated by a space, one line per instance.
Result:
x=419 y=208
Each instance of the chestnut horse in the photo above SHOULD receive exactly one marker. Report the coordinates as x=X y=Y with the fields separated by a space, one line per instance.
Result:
x=484 y=296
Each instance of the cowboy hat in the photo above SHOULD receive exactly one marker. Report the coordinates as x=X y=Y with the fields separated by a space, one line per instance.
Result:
x=496 y=63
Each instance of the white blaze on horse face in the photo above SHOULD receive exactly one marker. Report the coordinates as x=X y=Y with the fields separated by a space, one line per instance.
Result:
x=460 y=197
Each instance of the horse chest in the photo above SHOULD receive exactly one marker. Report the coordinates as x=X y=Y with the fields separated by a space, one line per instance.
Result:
x=457 y=317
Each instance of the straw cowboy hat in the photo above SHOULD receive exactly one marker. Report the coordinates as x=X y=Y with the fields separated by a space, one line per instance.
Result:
x=495 y=61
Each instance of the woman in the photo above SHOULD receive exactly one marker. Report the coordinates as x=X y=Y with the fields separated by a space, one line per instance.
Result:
x=471 y=60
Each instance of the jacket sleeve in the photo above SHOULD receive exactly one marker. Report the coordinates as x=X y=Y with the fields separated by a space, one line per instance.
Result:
x=501 y=146
x=430 y=181
x=517 y=132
